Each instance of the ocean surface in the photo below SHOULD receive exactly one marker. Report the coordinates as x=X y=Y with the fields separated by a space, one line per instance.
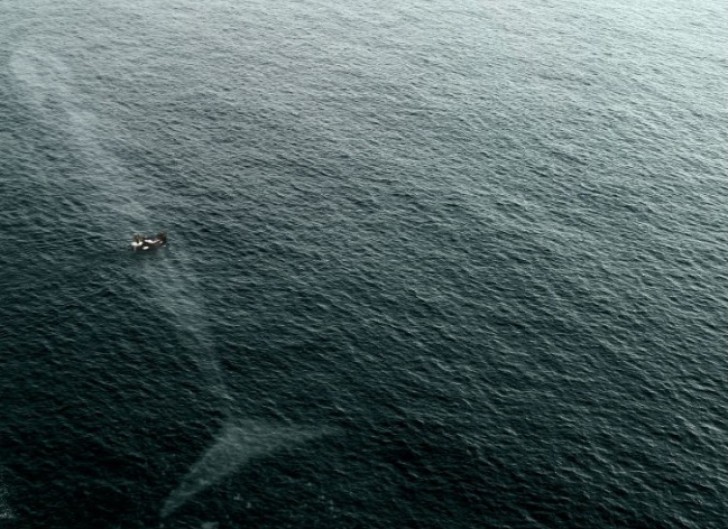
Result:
x=436 y=264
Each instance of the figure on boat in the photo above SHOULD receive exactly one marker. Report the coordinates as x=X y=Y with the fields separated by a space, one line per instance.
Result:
x=142 y=242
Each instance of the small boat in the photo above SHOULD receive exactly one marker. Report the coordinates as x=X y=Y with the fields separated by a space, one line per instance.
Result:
x=143 y=243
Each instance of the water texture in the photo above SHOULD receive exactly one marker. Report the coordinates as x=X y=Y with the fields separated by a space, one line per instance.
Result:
x=431 y=264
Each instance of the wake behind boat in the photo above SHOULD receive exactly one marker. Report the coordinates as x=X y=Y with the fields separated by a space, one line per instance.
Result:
x=143 y=243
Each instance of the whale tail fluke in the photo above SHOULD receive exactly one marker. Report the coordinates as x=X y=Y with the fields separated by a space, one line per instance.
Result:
x=237 y=443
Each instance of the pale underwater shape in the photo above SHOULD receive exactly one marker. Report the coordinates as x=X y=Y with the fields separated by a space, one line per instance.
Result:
x=50 y=92
x=237 y=443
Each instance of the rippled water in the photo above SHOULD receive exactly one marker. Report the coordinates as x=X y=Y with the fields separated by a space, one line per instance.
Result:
x=432 y=264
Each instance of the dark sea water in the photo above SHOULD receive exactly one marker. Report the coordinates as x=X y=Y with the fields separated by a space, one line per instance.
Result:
x=432 y=264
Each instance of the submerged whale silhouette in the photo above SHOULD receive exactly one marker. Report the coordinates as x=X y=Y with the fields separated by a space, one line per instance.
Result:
x=48 y=87
x=237 y=443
